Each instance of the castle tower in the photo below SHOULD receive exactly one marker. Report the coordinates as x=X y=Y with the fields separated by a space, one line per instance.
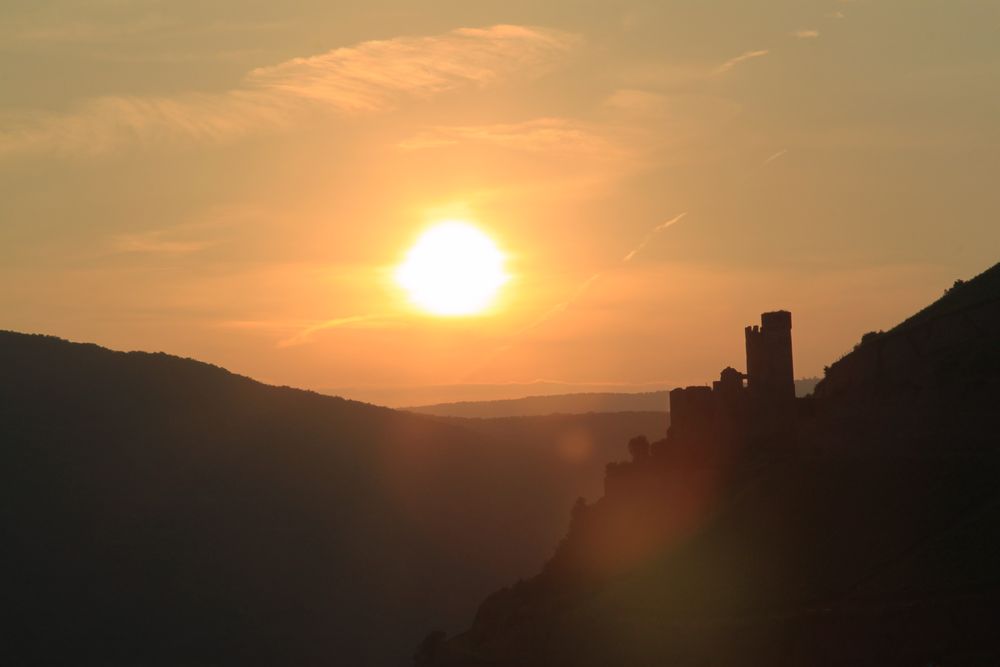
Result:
x=770 y=378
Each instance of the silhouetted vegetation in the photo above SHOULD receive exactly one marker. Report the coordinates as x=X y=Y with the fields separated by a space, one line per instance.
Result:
x=964 y=294
x=869 y=338
x=638 y=449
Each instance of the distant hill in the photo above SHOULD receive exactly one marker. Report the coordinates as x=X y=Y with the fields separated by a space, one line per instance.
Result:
x=161 y=511
x=651 y=401
x=867 y=532
x=400 y=396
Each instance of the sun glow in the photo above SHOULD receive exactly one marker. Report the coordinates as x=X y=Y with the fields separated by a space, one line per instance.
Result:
x=453 y=269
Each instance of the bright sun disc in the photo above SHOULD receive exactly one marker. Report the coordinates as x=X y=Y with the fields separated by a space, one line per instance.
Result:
x=453 y=269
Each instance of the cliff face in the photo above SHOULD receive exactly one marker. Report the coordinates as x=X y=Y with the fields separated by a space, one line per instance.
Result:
x=867 y=532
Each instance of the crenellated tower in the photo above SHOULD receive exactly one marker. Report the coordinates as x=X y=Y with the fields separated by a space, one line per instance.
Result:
x=769 y=357
x=730 y=410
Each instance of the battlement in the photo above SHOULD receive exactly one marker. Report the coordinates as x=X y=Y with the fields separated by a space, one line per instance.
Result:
x=739 y=403
x=777 y=320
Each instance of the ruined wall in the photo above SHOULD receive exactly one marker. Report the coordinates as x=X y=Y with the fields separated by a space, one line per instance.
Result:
x=690 y=411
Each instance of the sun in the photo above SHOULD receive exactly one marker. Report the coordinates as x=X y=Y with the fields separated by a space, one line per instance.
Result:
x=452 y=270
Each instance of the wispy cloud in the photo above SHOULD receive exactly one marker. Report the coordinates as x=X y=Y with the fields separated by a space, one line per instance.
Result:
x=545 y=157
x=547 y=135
x=156 y=242
x=300 y=332
x=374 y=75
x=188 y=237
x=637 y=102
x=806 y=33
x=370 y=77
x=742 y=58
x=306 y=334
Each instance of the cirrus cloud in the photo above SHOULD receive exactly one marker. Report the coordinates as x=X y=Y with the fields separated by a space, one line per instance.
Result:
x=549 y=135
x=373 y=76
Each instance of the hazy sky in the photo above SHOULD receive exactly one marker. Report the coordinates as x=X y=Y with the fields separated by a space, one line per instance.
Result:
x=236 y=180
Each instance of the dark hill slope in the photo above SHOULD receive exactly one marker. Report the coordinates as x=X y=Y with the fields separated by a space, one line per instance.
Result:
x=874 y=539
x=929 y=384
x=160 y=511
x=963 y=296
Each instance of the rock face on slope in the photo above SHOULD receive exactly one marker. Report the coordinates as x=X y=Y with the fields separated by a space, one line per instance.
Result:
x=859 y=526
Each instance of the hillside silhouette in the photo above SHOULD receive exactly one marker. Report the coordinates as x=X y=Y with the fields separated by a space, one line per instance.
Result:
x=858 y=526
x=162 y=511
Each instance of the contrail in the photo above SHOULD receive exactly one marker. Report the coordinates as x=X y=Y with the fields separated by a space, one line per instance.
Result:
x=653 y=232
x=554 y=310
x=560 y=307
x=773 y=158
x=304 y=335
x=578 y=293
x=585 y=285
x=563 y=305
x=768 y=160
x=742 y=58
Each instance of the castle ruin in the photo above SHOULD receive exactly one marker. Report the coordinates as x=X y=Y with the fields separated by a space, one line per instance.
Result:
x=758 y=402
x=769 y=357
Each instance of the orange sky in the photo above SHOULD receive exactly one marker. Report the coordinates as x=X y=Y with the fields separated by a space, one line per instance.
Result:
x=237 y=181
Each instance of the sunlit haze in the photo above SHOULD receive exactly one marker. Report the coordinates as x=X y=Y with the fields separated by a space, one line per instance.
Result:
x=455 y=333
x=241 y=183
